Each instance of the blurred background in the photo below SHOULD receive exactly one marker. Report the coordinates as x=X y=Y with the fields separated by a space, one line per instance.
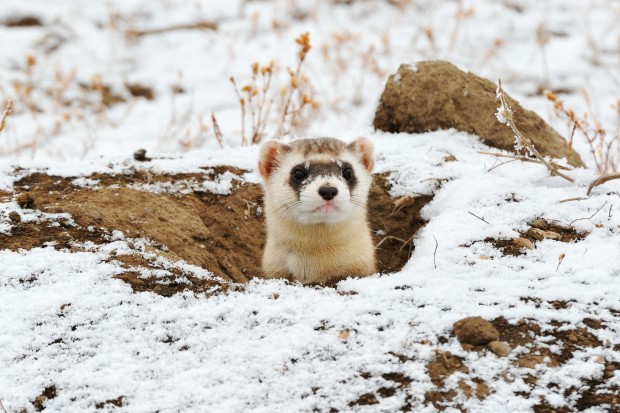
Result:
x=104 y=78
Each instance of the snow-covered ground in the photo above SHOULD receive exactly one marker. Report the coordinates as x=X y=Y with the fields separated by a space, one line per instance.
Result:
x=65 y=322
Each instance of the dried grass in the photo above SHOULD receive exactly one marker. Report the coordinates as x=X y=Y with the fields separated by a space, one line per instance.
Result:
x=276 y=111
x=201 y=25
x=604 y=148
x=505 y=115
x=604 y=145
x=5 y=115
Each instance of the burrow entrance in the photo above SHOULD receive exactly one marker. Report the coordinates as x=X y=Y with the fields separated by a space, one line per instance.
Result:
x=222 y=233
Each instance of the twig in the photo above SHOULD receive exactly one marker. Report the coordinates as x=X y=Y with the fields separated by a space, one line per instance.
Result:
x=217 y=131
x=440 y=180
x=590 y=217
x=204 y=25
x=7 y=112
x=505 y=115
x=500 y=164
x=610 y=207
x=481 y=219
x=387 y=238
x=2 y=407
x=435 y=252
x=579 y=198
x=521 y=158
x=601 y=180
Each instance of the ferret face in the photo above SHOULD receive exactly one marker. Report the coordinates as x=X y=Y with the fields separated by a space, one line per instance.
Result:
x=313 y=181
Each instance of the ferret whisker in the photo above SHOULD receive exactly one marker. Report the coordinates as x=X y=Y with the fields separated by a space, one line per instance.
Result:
x=284 y=209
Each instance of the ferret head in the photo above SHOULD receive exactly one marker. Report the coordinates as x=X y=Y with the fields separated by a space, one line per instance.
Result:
x=313 y=181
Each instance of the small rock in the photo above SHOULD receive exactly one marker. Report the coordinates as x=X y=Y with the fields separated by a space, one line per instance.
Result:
x=540 y=224
x=539 y=234
x=523 y=243
x=140 y=155
x=15 y=217
x=475 y=330
x=449 y=158
x=25 y=200
x=501 y=348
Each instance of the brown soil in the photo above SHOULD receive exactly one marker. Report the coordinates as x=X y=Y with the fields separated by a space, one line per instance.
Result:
x=438 y=95
x=138 y=90
x=118 y=402
x=538 y=230
x=177 y=281
x=398 y=219
x=58 y=234
x=47 y=394
x=24 y=21
x=526 y=333
x=222 y=233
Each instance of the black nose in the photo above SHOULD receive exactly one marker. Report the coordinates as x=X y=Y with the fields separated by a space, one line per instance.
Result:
x=328 y=192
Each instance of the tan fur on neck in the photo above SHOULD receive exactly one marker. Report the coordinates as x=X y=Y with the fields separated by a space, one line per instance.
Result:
x=320 y=253
x=303 y=250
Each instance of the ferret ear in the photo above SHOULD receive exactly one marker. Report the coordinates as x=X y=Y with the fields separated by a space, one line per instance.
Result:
x=364 y=147
x=268 y=156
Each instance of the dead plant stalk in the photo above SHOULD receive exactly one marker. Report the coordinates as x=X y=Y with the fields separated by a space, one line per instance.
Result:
x=258 y=100
x=604 y=147
x=7 y=112
x=505 y=115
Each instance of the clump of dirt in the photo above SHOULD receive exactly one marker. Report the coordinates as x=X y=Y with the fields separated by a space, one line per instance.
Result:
x=437 y=95
x=25 y=200
x=138 y=90
x=118 y=402
x=475 y=331
x=365 y=400
x=47 y=394
x=222 y=233
x=538 y=230
x=440 y=368
x=443 y=365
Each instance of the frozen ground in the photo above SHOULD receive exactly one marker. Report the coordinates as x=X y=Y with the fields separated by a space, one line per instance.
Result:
x=71 y=331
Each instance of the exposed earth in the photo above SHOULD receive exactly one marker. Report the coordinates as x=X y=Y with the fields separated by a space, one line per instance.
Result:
x=181 y=223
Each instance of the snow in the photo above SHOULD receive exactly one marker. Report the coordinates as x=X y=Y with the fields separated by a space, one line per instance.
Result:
x=274 y=346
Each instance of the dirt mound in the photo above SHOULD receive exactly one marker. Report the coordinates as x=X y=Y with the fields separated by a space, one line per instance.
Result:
x=222 y=233
x=437 y=95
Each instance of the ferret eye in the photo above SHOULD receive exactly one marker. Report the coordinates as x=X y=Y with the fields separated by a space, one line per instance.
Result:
x=299 y=175
x=347 y=174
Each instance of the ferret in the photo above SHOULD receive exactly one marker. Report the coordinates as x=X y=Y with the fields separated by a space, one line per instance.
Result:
x=315 y=193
